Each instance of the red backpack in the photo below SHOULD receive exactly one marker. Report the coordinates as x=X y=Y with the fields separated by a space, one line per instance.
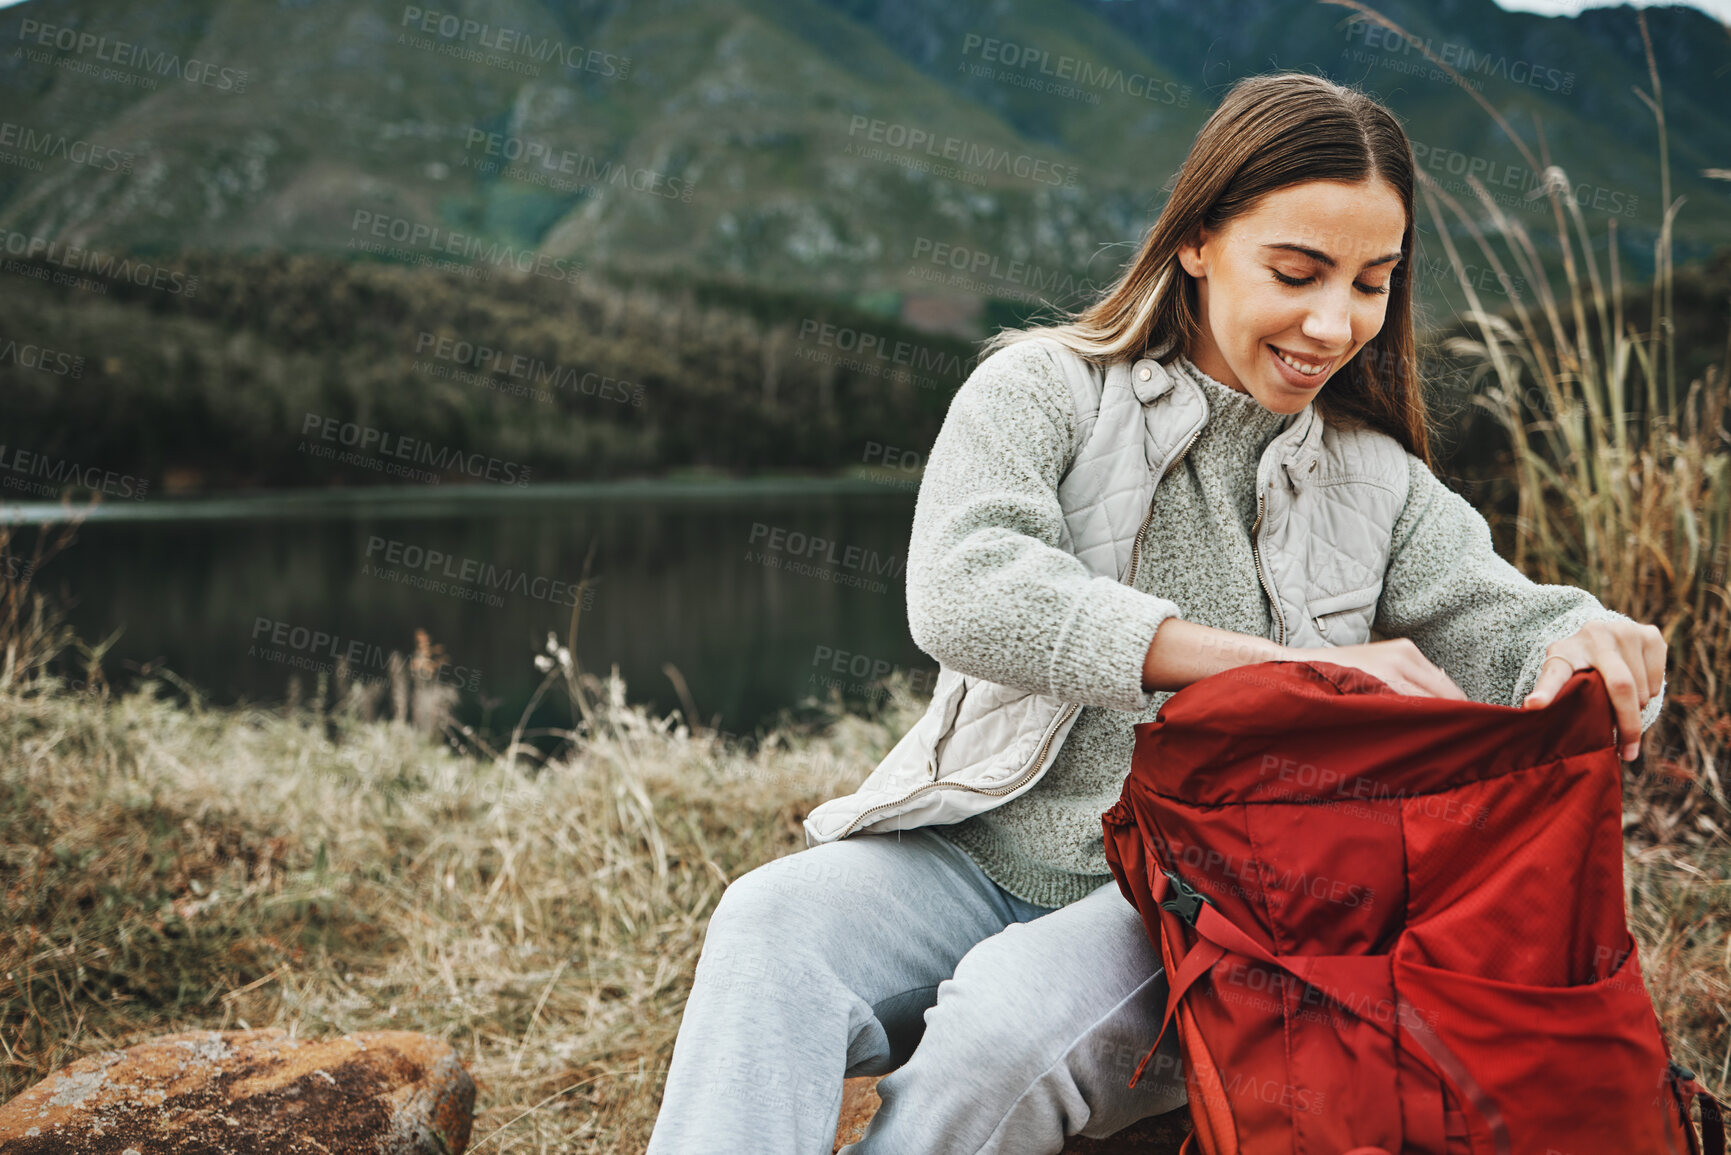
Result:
x=1395 y=924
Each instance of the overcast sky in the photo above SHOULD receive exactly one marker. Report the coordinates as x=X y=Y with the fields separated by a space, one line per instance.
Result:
x=1718 y=8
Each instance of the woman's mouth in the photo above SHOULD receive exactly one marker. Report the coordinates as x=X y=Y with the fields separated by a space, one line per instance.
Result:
x=1304 y=372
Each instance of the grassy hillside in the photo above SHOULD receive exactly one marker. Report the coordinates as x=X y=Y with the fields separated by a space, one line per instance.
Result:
x=808 y=146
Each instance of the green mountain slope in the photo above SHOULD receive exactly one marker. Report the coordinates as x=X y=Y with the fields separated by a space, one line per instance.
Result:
x=1010 y=151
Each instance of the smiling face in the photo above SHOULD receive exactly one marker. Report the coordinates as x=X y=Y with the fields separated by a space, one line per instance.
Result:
x=1291 y=289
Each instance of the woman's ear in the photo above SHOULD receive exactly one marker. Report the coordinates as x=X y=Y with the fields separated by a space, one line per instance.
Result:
x=1190 y=256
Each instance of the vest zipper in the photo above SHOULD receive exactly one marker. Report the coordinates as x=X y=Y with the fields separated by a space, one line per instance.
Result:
x=1256 y=555
x=1141 y=531
x=1021 y=776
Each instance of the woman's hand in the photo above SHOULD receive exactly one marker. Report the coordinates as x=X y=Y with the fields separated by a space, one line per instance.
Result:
x=1630 y=657
x=1398 y=662
x=1184 y=652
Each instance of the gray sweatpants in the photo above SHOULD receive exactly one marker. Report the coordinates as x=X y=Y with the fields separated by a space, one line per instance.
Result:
x=1004 y=1026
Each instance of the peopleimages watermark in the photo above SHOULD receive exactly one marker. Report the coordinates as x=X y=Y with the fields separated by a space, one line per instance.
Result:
x=1497 y=176
x=1275 y=992
x=1333 y=788
x=135 y=64
x=795 y=552
x=27 y=355
x=1464 y=59
x=537 y=162
x=425 y=244
x=505 y=47
x=77 y=259
x=1214 y=1086
x=436 y=571
x=40 y=475
x=318 y=651
x=889 y=456
x=1483 y=278
x=366 y=439
x=865 y=671
x=966 y=159
x=874 y=354
x=528 y=374
x=1719 y=562
x=1061 y=75
x=1215 y=864
x=990 y=275
x=35 y=145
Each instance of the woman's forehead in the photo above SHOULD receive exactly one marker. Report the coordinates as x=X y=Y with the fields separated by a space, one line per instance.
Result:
x=1345 y=223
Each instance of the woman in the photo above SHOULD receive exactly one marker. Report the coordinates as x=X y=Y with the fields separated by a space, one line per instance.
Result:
x=986 y=960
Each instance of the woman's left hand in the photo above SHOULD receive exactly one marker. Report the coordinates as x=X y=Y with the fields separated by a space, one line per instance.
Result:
x=1630 y=657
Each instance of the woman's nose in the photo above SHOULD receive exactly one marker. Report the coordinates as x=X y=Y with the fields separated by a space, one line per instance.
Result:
x=1329 y=322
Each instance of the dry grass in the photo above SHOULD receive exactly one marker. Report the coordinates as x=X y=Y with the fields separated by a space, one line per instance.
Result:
x=169 y=867
x=1621 y=479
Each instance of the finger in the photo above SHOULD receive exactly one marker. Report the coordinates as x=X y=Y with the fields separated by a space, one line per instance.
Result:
x=1434 y=682
x=1620 y=685
x=1629 y=644
x=1653 y=651
x=1552 y=676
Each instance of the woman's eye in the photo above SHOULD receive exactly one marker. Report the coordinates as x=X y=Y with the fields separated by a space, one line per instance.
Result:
x=1374 y=290
x=1286 y=280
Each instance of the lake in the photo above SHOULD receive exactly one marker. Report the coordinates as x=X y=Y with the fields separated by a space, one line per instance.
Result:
x=759 y=592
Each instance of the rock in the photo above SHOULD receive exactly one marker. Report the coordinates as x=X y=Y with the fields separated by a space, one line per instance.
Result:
x=859 y=1102
x=250 y=1093
x=1161 y=1135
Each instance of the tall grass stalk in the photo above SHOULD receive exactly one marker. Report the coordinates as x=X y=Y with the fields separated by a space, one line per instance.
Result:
x=1621 y=474
x=1621 y=480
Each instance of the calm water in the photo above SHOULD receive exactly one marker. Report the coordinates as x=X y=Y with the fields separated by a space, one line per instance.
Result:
x=727 y=581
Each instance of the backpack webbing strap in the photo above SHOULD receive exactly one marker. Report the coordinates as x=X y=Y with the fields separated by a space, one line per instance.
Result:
x=1218 y=937
x=1684 y=1087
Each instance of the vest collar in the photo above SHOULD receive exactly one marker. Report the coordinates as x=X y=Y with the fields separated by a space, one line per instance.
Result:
x=1294 y=449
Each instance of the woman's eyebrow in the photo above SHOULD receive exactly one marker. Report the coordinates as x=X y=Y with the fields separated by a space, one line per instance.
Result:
x=1319 y=255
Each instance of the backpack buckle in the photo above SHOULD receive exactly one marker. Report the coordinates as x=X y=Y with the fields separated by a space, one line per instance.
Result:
x=1186 y=901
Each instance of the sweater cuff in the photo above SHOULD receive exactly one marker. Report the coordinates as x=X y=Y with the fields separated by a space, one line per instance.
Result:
x=1099 y=654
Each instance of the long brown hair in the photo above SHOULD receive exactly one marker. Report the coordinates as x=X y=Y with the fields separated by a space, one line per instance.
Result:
x=1268 y=133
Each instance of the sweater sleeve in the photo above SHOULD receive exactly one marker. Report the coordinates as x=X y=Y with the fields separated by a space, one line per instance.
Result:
x=991 y=593
x=1467 y=609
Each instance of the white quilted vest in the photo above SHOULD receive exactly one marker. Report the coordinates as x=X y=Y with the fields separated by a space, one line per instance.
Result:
x=1327 y=500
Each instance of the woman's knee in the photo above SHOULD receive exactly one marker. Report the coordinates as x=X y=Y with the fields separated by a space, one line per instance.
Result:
x=1029 y=994
x=771 y=906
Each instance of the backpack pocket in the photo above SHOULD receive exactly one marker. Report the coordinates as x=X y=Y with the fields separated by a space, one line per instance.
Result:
x=1581 y=1069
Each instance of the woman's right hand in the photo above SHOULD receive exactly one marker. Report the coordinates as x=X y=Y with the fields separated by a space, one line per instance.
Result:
x=1184 y=652
x=1398 y=662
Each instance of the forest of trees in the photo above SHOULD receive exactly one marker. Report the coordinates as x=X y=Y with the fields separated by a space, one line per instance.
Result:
x=277 y=370
x=230 y=374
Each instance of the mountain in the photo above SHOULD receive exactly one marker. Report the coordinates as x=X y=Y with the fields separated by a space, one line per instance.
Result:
x=985 y=148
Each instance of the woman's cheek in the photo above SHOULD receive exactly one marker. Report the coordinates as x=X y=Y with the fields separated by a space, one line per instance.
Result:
x=1370 y=323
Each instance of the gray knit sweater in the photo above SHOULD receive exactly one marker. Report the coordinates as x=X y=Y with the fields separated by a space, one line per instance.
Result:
x=990 y=594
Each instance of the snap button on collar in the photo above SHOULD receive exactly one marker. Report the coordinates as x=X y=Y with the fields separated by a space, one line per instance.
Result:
x=1145 y=373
